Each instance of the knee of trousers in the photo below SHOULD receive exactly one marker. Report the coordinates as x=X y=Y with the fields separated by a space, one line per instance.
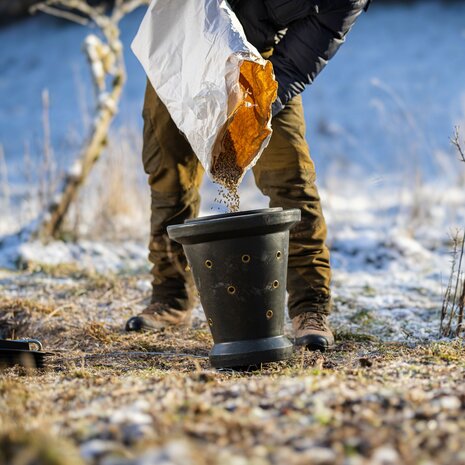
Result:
x=168 y=208
x=309 y=272
x=168 y=158
x=167 y=256
x=292 y=188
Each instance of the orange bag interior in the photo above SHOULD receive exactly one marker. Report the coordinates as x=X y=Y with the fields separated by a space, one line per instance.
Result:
x=247 y=128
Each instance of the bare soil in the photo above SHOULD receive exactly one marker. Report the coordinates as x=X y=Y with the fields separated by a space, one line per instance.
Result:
x=108 y=397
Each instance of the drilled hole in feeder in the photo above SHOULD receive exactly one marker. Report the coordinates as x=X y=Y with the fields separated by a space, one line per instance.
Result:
x=210 y=322
x=245 y=258
x=269 y=314
x=275 y=284
x=209 y=264
x=278 y=254
x=231 y=290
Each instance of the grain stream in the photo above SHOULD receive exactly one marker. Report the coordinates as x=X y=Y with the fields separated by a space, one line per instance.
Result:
x=227 y=173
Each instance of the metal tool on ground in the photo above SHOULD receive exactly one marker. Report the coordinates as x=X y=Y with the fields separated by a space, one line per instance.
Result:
x=239 y=264
x=19 y=352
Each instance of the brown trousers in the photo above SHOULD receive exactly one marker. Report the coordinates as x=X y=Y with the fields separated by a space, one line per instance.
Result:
x=284 y=172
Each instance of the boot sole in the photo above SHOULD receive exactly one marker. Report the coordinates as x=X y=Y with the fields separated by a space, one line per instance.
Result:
x=314 y=343
x=139 y=325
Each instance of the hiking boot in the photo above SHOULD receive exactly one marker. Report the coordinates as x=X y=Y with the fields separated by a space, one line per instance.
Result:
x=158 y=316
x=311 y=329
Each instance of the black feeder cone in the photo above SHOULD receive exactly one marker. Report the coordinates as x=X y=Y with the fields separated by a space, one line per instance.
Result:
x=239 y=263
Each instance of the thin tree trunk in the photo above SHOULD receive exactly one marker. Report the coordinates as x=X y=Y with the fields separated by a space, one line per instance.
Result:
x=57 y=210
x=106 y=62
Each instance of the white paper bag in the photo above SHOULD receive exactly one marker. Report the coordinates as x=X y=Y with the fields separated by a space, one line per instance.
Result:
x=216 y=86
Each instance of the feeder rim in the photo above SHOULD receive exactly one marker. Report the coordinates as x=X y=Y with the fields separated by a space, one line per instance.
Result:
x=240 y=224
x=234 y=214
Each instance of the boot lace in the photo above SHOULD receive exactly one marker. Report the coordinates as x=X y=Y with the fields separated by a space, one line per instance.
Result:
x=313 y=320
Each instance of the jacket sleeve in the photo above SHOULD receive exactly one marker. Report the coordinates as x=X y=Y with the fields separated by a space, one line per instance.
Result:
x=310 y=43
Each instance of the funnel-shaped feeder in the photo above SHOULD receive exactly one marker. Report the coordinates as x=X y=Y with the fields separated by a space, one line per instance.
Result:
x=239 y=263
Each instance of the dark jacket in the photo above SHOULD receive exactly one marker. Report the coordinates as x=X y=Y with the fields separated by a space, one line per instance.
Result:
x=303 y=34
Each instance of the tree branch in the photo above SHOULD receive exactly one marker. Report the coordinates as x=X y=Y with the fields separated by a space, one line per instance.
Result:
x=106 y=60
x=44 y=8
x=95 y=14
x=457 y=144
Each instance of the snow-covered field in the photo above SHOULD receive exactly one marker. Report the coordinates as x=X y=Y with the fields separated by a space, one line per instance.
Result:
x=379 y=122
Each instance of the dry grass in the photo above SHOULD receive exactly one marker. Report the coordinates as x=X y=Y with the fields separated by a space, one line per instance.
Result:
x=112 y=205
x=23 y=448
x=18 y=316
x=115 y=202
x=452 y=312
x=119 y=396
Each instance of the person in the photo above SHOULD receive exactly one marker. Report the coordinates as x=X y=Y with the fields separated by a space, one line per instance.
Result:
x=299 y=37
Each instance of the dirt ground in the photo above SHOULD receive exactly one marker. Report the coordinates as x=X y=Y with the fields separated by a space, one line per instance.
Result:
x=111 y=398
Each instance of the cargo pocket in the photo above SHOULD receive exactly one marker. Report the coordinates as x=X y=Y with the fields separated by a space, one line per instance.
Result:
x=284 y=12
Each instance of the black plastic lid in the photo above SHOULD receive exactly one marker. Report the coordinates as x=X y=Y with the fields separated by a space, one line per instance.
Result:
x=234 y=214
x=231 y=225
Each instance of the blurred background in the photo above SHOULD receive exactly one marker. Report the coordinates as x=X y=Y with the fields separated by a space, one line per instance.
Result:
x=379 y=119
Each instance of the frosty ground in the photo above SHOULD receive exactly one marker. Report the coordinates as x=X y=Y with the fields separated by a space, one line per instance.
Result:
x=391 y=261
x=390 y=393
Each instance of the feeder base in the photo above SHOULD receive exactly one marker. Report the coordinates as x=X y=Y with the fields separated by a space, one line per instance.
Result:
x=253 y=352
